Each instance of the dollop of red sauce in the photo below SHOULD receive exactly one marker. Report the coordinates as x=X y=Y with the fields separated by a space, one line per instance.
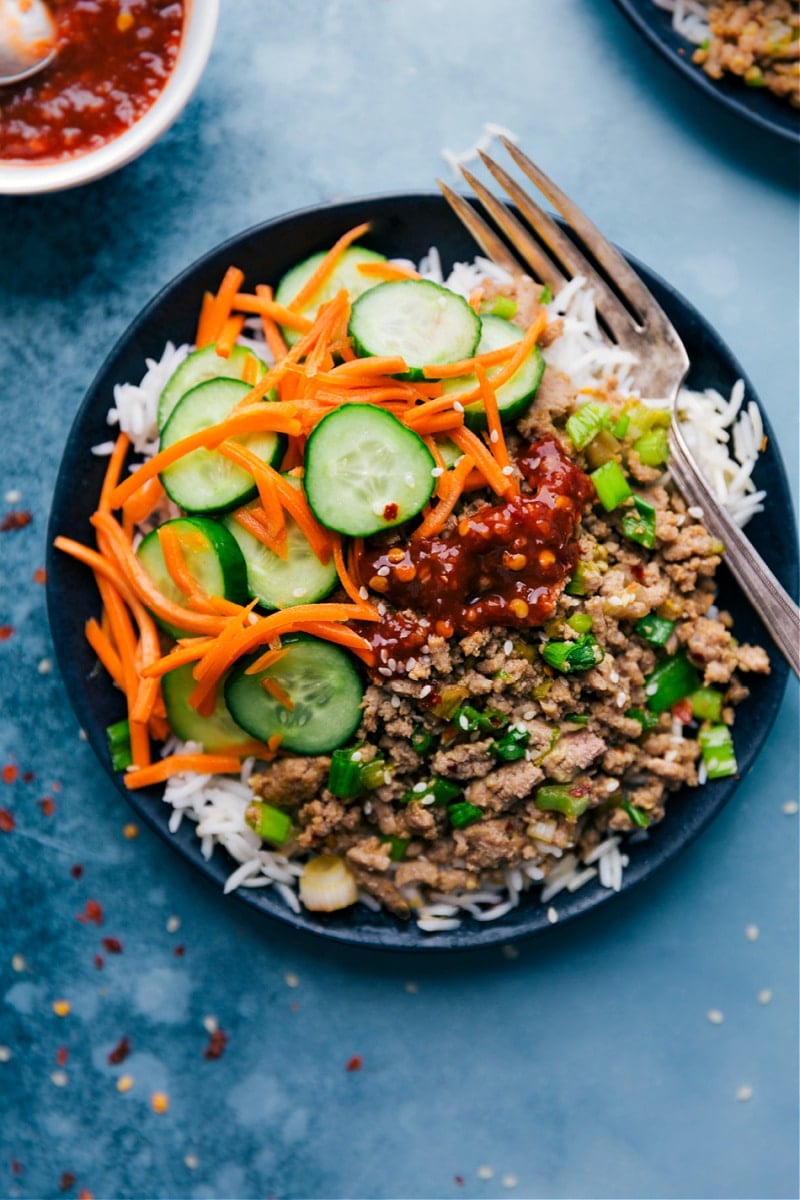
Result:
x=114 y=58
x=505 y=565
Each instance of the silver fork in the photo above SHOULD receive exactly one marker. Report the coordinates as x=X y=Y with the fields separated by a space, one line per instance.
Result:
x=635 y=323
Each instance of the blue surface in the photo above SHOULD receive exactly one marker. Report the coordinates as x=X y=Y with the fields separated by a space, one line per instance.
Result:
x=584 y=1067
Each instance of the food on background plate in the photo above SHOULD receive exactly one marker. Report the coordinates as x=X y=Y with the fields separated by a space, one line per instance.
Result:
x=757 y=41
x=400 y=580
x=113 y=60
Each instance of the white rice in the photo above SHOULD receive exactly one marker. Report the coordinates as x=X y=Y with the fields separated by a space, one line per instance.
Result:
x=689 y=18
x=724 y=435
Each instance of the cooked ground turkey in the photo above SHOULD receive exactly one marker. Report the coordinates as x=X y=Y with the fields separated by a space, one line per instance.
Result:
x=757 y=41
x=577 y=727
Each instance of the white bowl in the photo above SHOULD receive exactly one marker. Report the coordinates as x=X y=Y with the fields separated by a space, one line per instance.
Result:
x=25 y=178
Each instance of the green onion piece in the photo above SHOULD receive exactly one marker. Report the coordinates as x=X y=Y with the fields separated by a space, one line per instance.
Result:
x=573 y=656
x=581 y=622
x=502 y=675
x=716 y=744
x=501 y=306
x=397 y=847
x=546 y=294
x=611 y=485
x=463 y=814
x=586 y=423
x=556 y=797
x=671 y=681
x=620 y=426
x=576 y=719
x=653 y=447
x=577 y=584
x=655 y=630
x=269 y=823
x=640 y=525
x=643 y=418
x=706 y=42
x=469 y=719
x=375 y=774
x=344 y=777
x=511 y=746
x=706 y=704
x=118 y=737
x=646 y=719
x=421 y=740
x=637 y=815
x=434 y=791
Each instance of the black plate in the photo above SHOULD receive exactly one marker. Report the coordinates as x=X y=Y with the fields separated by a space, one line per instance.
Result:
x=401 y=226
x=753 y=104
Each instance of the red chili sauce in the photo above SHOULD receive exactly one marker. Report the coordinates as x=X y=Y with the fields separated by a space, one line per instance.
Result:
x=114 y=58
x=505 y=565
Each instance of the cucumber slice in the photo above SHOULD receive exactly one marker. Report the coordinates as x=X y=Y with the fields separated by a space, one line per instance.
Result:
x=516 y=395
x=417 y=319
x=200 y=366
x=212 y=556
x=216 y=732
x=323 y=685
x=344 y=275
x=205 y=481
x=366 y=471
x=276 y=582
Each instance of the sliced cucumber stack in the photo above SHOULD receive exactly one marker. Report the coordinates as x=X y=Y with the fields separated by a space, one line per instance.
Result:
x=344 y=275
x=216 y=732
x=516 y=395
x=205 y=481
x=317 y=679
x=211 y=554
x=424 y=323
x=276 y=582
x=200 y=366
x=366 y=471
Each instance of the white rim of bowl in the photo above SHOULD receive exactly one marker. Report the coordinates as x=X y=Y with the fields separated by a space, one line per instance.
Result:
x=200 y=24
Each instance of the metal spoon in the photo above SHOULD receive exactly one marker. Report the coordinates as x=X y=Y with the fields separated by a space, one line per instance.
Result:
x=27 y=39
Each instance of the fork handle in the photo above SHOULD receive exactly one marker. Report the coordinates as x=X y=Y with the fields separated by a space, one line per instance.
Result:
x=777 y=610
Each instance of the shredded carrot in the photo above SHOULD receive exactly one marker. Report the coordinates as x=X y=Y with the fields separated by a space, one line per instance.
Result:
x=266 y=660
x=228 y=334
x=497 y=440
x=191 y=652
x=342 y=636
x=275 y=339
x=113 y=470
x=253 y=749
x=220 y=307
x=173 y=764
x=326 y=268
x=454 y=486
x=466 y=440
x=106 y=653
x=277 y=692
x=203 y=335
x=476 y=296
x=250 y=370
x=375 y=365
x=174 y=561
x=138 y=507
x=387 y=271
x=264 y=477
x=466 y=366
x=263 y=305
x=294 y=501
x=444 y=422
x=349 y=584
x=125 y=641
x=250 y=520
x=100 y=565
x=440 y=404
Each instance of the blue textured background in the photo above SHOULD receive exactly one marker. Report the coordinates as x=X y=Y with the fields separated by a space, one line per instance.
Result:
x=585 y=1064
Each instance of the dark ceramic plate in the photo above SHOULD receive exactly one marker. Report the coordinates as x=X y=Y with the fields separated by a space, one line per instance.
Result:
x=756 y=105
x=401 y=226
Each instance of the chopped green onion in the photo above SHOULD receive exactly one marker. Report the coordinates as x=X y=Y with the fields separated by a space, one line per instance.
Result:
x=647 y=720
x=118 y=737
x=586 y=423
x=502 y=675
x=422 y=741
x=546 y=294
x=637 y=815
x=611 y=485
x=573 y=656
x=706 y=704
x=643 y=418
x=576 y=719
x=375 y=774
x=397 y=847
x=556 y=797
x=512 y=745
x=640 y=526
x=581 y=622
x=655 y=630
x=463 y=814
x=716 y=744
x=269 y=823
x=577 y=584
x=500 y=306
x=344 y=777
x=706 y=42
x=434 y=791
x=671 y=681
x=653 y=447
x=620 y=426
x=469 y=719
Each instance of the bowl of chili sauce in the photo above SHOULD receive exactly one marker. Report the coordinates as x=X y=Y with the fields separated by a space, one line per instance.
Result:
x=123 y=72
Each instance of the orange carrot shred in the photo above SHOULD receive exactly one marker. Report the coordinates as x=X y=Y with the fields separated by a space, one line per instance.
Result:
x=436 y=518
x=174 y=561
x=220 y=306
x=173 y=764
x=264 y=306
x=387 y=271
x=277 y=692
x=203 y=335
x=266 y=660
x=349 y=584
x=497 y=441
x=228 y=334
x=113 y=471
x=106 y=653
x=250 y=370
x=325 y=269
x=466 y=440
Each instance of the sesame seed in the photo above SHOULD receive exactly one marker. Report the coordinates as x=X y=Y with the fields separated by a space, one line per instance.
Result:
x=363 y=593
x=425 y=691
x=18 y=963
x=485 y=1172
x=192 y=1162
x=552 y=915
x=622 y=699
x=5 y=1054
x=384 y=671
x=437 y=472
x=45 y=666
x=382 y=571
x=299 y=592
x=508 y=647
x=613 y=676
x=765 y=995
x=751 y=933
x=694 y=510
x=210 y=1024
x=508 y=470
x=409 y=480
x=173 y=924
x=83 y=735
x=59 y=1078
x=790 y=808
x=745 y=1092
x=529 y=715
x=509 y=1181
x=395 y=701
x=494 y=437
x=458 y=406
x=13 y=496
x=124 y=1083
x=715 y=1016
x=291 y=980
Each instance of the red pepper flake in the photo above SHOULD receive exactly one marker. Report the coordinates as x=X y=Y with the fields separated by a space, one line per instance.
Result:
x=217 y=1041
x=7 y=822
x=10 y=773
x=354 y=1064
x=85 y=1194
x=16 y=1167
x=112 y=945
x=92 y=911
x=16 y=519
x=66 y=1182
x=179 y=951
x=48 y=805
x=76 y=871
x=459 y=1179
x=6 y=632
x=120 y=1052
x=682 y=711
x=40 y=575
x=28 y=776
x=390 y=512
x=62 y=1056
x=99 y=961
